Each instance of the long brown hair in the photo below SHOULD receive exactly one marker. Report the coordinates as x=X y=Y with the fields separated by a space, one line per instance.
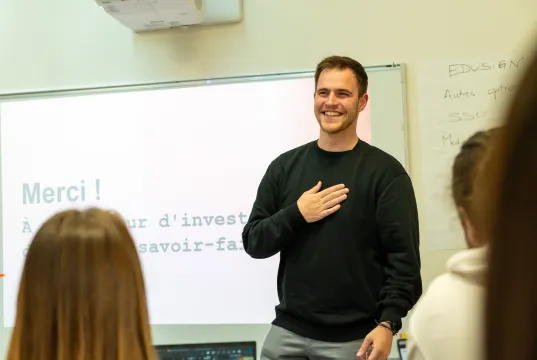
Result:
x=82 y=293
x=508 y=192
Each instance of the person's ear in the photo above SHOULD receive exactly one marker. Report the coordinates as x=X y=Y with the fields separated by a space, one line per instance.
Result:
x=469 y=229
x=362 y=102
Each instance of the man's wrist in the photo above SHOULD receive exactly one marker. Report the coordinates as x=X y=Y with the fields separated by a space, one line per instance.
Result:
x=386 y=326
x=389 y=325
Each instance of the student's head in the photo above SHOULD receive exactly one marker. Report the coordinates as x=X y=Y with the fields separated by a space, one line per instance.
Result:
x=340 y=93
x=82 y=293
x=464 y=172
x=508 y=193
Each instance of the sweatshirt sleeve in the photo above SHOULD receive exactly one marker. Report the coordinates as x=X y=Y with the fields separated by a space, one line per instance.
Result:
x=398 y=226
x=270 y=228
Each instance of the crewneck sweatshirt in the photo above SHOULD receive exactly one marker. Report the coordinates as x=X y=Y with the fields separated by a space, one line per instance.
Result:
x=359 y=265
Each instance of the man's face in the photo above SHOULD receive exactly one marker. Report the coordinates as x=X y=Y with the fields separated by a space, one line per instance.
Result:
x=336 y=100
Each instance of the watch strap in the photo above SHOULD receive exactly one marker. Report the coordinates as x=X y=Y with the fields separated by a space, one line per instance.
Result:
x=391 y=328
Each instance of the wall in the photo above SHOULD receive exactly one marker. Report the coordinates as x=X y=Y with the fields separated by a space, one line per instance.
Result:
x=70 y=44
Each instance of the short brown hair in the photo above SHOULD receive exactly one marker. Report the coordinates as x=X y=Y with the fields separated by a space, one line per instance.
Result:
x=344 y=62
x=467 y=165
x=82 y=293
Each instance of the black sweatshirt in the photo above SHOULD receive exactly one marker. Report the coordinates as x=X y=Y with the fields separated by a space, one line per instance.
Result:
x=359 y=265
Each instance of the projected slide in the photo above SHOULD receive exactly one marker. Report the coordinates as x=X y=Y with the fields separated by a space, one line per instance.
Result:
x=181 y=165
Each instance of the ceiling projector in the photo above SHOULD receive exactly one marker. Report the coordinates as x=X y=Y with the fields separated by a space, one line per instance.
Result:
x=152 y=15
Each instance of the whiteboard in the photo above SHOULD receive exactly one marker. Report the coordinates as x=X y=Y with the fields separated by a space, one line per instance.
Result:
x=387 y=101
x=457 y=97
x=184 y=160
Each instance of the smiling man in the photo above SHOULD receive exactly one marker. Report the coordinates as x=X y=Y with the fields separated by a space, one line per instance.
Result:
x=342 y=215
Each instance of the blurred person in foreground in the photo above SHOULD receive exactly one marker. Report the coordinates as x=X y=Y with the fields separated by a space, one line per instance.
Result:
x=82 y=293
x=447 y=322
x=508 y=196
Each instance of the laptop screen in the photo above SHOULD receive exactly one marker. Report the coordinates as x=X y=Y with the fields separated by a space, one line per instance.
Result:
x=401 y=349
x=208 y=351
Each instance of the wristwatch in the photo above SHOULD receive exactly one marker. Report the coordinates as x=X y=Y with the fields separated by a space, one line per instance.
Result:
x=394 y=326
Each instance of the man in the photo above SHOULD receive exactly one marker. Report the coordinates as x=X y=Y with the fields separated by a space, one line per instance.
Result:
x=343 y=216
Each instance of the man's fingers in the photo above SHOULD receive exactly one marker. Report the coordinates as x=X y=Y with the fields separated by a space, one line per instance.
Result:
x=335 y=201
x=375 y=354
x=330 y=211
x=331 y=189
x=335 y=194
x=364 y=348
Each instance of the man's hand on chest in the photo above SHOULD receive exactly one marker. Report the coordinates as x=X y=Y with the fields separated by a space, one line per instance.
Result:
x=315 y=205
